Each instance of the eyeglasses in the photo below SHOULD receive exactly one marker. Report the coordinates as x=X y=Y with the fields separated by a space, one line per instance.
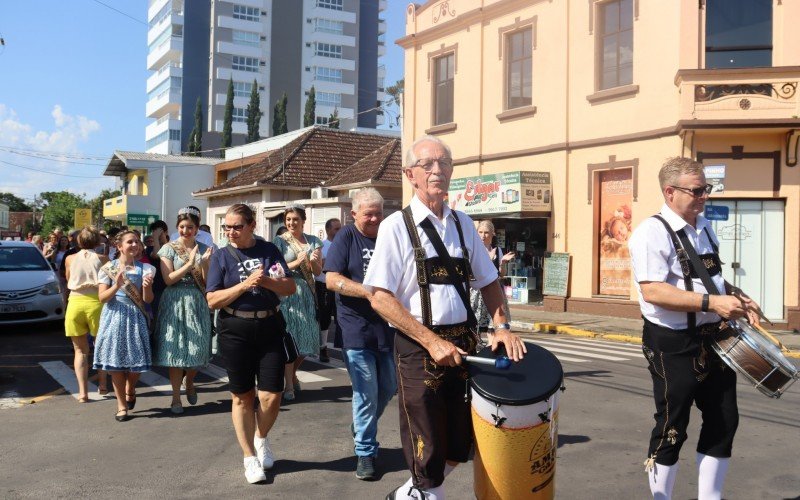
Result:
x=696 y=192
x=427 y=165
x=232 y=227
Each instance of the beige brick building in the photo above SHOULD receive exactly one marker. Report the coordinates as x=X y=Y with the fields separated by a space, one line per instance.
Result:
x=560 y=112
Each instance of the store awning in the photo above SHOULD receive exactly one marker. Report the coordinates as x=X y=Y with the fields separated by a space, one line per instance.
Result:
x=273 y=212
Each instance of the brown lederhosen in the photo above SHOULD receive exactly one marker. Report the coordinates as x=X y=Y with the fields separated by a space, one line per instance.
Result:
x=435 y=418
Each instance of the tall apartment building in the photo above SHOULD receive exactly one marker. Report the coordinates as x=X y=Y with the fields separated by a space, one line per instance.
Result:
x=197 y=47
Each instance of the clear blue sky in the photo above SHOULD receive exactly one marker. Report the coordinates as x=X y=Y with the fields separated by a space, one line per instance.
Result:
x=72 y=83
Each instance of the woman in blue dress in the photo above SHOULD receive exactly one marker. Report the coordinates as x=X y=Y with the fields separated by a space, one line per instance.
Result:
x=182 y=339
x=303 y=255
x=123 y=339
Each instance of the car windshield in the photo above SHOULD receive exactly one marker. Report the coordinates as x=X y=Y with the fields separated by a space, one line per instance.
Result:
x=22 y=259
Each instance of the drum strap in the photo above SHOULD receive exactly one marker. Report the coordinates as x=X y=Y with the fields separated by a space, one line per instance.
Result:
x=689 y=260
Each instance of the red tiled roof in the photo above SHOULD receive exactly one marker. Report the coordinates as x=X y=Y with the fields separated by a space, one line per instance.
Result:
x=382 y=165
x=317 y=156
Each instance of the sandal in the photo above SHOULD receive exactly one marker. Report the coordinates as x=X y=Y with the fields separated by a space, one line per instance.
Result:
x=123 y=417
x=131 y=402
x=83 y=399
x=102 y=391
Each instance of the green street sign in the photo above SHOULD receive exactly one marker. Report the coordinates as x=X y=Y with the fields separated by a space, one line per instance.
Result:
x=142 y=220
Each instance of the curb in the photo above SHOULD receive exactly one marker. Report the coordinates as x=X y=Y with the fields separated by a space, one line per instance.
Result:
x=554 y=328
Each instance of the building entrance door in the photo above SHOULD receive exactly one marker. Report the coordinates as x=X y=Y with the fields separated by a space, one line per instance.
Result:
x=752 y=250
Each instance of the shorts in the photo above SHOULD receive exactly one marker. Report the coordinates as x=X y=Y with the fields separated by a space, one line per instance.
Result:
x=252 y=351
x=83 y=315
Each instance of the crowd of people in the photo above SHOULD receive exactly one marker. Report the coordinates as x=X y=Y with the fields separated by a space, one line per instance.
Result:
x=402 y=328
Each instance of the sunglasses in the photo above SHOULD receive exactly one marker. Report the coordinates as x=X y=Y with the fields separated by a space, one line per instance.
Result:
x=232 y=227
x=696 y=192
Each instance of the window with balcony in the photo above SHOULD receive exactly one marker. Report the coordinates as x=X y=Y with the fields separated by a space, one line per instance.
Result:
x=171 y=84
x=444 y=73
x=246 y=38
x=615 y=36
x=330 y=99
x=331 y=4
x=321 y=120
x=241 y=63
x=328 y=50
x=328 y=26
x=242 y=89
x=246 y=13
x=328 y=74
x=167 y=135
x=738 y=33
x=240 y=115
x=519 y=68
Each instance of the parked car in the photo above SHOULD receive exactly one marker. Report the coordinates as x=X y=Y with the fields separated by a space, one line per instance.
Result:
x=30 y=291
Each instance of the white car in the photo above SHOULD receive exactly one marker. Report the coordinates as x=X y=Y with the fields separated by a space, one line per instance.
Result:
x=30 y=291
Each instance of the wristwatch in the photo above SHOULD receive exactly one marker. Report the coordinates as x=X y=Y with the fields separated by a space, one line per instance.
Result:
x=503 y=326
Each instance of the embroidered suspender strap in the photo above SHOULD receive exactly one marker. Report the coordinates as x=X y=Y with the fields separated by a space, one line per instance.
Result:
x=423 y=280
x=686 y=268
x=697 y=264
x=194 y=271
x=470 y=276
x=128 y=287
x=444 y=256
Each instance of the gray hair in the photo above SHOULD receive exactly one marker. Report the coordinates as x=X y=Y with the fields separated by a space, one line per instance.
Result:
x=675 y=167
x=367 y=196
x=486 y=224
x=411 y=156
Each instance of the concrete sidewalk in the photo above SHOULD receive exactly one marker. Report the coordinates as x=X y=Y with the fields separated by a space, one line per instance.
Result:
x=533 y=318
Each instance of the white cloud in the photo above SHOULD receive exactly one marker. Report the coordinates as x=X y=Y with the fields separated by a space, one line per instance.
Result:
x=65 y=135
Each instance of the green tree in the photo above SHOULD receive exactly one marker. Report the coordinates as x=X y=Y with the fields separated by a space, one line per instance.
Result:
x=279 y=124
x=253 y=114
x=333 y=120
x=310 y=116
x=96 y=205
x=196 y=137
x=395 y=100
x=15 y=203
x=227 y=122
x=59 y=210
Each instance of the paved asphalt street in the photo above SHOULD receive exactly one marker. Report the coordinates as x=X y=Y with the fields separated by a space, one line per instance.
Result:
x=59 y=448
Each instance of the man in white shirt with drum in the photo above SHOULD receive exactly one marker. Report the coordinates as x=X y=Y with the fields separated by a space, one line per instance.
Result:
x=434 y=331
x=680 y=318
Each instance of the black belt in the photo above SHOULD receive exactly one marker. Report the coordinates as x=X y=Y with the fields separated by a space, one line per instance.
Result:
x=250 y=314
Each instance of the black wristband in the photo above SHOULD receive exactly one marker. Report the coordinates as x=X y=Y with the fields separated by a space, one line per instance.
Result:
x=704 y=304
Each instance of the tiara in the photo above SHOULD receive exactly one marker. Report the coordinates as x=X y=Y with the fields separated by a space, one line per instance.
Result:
x=190 y=211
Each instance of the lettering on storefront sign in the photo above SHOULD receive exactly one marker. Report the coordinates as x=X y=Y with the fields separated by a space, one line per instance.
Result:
x=556 y=273
x=715 y=175
x=734 y=232
x=508 y=192
x=716 y=212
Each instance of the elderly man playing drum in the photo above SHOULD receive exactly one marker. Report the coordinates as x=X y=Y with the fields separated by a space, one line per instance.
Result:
x=423 y=293
x=680 y=317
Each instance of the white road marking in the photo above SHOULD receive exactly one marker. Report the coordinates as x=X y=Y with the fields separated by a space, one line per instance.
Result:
x=64 y=375
x=585 y=354
x=547 y=343
x=157 y=382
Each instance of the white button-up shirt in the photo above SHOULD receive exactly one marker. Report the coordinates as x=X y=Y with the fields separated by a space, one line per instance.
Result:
x=393 y=267
x=654 y=259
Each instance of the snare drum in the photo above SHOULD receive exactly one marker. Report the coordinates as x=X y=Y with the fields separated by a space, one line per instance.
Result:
x=745 y=349
x=514 y=416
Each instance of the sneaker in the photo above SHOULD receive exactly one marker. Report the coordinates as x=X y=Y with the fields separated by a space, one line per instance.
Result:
x=365 y=470
x=264 y=452
x=253 y=471
x=323 y=355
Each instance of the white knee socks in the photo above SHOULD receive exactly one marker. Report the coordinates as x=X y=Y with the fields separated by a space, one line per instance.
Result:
x=711 y=473
x=662 y=479
x=430 y=493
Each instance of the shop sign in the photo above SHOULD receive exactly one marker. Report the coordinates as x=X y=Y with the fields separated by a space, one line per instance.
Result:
x=716 y=212
x=556 y=274
x=83 y=217
x=715 y=175
x=506 y=192
x=140 y=220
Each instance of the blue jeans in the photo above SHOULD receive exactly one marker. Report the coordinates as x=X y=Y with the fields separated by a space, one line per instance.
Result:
x=374 y=380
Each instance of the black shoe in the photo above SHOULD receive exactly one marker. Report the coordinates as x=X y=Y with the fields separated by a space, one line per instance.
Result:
x=323 y=355
x=122 y=418
x=366 y=468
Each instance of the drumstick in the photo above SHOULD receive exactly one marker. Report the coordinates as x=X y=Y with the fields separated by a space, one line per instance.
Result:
x=761 y=315
x=501 y=363
x=769 y=336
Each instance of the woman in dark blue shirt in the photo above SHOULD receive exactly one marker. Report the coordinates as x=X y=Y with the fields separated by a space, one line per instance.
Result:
x=245 y=280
